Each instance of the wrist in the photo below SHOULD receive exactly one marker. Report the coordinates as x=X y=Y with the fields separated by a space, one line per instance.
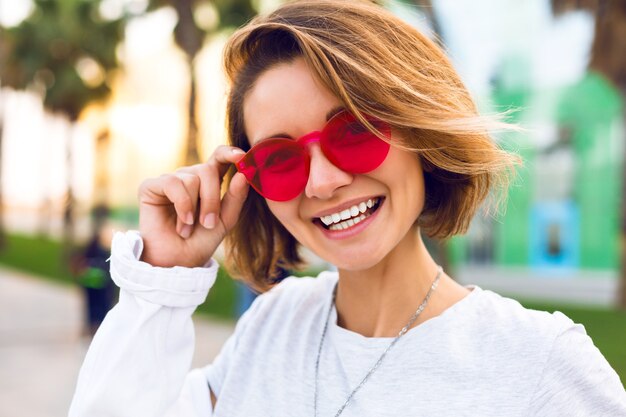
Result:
x=170 y=286
x=169 y=259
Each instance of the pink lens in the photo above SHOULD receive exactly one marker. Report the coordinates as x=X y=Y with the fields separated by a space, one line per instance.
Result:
x=278 y=169
x=349 y=145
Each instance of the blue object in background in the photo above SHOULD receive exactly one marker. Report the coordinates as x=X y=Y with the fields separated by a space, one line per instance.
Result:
x=245 y=297
x=555 y=234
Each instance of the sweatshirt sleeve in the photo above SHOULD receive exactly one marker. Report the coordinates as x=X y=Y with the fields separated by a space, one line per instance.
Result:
x=577 y=380
x=139 y=360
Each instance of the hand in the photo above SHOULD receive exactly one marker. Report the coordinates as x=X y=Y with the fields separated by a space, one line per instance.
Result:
x=182 y=220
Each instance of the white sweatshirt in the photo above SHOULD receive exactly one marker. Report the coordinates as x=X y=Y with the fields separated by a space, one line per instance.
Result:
x=484 y=356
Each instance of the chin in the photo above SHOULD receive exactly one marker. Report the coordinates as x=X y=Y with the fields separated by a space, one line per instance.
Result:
x=354 y=262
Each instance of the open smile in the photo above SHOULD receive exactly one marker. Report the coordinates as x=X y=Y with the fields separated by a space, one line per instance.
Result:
x=351 y=216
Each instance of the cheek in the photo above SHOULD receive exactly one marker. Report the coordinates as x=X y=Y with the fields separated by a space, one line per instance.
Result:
x=407 y=179
x=274 y=208
x=416 y=184
x=404 y=167
x=285 y=211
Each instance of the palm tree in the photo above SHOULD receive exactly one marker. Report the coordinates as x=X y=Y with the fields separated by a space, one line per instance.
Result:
x=66 y=51
x=189 y=37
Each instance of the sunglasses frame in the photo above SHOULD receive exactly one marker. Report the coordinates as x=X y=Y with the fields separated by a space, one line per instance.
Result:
x=302 y=144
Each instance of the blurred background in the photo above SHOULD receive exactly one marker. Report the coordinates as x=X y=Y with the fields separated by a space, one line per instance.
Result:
x=97 y=95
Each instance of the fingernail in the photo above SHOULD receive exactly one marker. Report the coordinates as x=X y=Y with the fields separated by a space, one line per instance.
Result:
x=209 y=221
x=238 y=151
x=185 y=231
x=189 y=218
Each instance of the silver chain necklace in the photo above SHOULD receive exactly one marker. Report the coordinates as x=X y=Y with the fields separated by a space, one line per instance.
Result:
x=377 y=364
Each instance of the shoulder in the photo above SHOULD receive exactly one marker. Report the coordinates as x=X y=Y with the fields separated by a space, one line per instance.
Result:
x=293 y=291
x=564 y=370
x=501 y=337
x=491 y=313
x=577 y=379
x=293 y=297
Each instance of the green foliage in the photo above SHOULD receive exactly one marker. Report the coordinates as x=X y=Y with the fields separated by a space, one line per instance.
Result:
x=234 y=13
x=188 y=35
x=47 y=49
x=222 y=299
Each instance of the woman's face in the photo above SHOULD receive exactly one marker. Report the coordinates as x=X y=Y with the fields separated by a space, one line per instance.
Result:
x=286 y=101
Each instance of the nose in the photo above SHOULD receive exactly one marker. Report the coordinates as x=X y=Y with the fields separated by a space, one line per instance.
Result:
x=324 y=176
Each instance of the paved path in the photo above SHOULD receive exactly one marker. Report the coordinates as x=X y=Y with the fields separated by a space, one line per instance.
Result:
x=593 y=288
x=41 y=348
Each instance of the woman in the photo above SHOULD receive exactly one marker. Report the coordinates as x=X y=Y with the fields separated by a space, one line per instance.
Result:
x=356 y=136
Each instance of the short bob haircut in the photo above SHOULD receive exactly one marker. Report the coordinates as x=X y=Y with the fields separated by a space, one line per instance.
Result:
x=379 y=65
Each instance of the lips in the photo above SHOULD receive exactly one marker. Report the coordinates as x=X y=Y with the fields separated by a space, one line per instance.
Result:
x=350 y=216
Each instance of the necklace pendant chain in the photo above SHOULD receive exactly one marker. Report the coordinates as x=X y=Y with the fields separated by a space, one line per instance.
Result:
x=380 y=360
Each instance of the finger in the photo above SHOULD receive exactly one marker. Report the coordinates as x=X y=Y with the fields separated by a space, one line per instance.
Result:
x=167 y=190
x=175 y=190
x=191 y=182
x=211 y=175
x=208 y=192
x=210 y=202
x=233 y=200
x=224 y=156
x=150 y=192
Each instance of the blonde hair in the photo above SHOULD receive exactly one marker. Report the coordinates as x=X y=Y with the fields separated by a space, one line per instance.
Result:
x=376 y=64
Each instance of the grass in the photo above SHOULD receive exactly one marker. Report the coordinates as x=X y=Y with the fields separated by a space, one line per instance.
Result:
x=222 y=299
x=44 y=257
x=38 y=255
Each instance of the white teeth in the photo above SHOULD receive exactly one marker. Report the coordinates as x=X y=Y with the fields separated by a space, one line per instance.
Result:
x=348 y=217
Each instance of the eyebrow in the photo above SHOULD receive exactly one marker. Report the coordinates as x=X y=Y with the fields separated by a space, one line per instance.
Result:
x=329 y=116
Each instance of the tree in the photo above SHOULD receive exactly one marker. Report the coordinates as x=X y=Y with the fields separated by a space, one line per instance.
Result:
x=189 y=37
x=65 y=50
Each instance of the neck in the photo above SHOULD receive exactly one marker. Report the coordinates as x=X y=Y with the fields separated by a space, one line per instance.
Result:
x=378 y=301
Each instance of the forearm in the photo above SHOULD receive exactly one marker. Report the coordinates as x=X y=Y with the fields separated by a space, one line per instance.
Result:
x=140 y=356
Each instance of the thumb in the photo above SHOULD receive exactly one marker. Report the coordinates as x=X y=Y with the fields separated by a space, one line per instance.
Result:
x=233 y=200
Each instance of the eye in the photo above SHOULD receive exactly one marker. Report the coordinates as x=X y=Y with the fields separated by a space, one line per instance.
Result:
x=356 y=128
x=352 y=134
x=282 y=161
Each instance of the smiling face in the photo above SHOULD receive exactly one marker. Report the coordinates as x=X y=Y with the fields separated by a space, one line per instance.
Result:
x=383 y=205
